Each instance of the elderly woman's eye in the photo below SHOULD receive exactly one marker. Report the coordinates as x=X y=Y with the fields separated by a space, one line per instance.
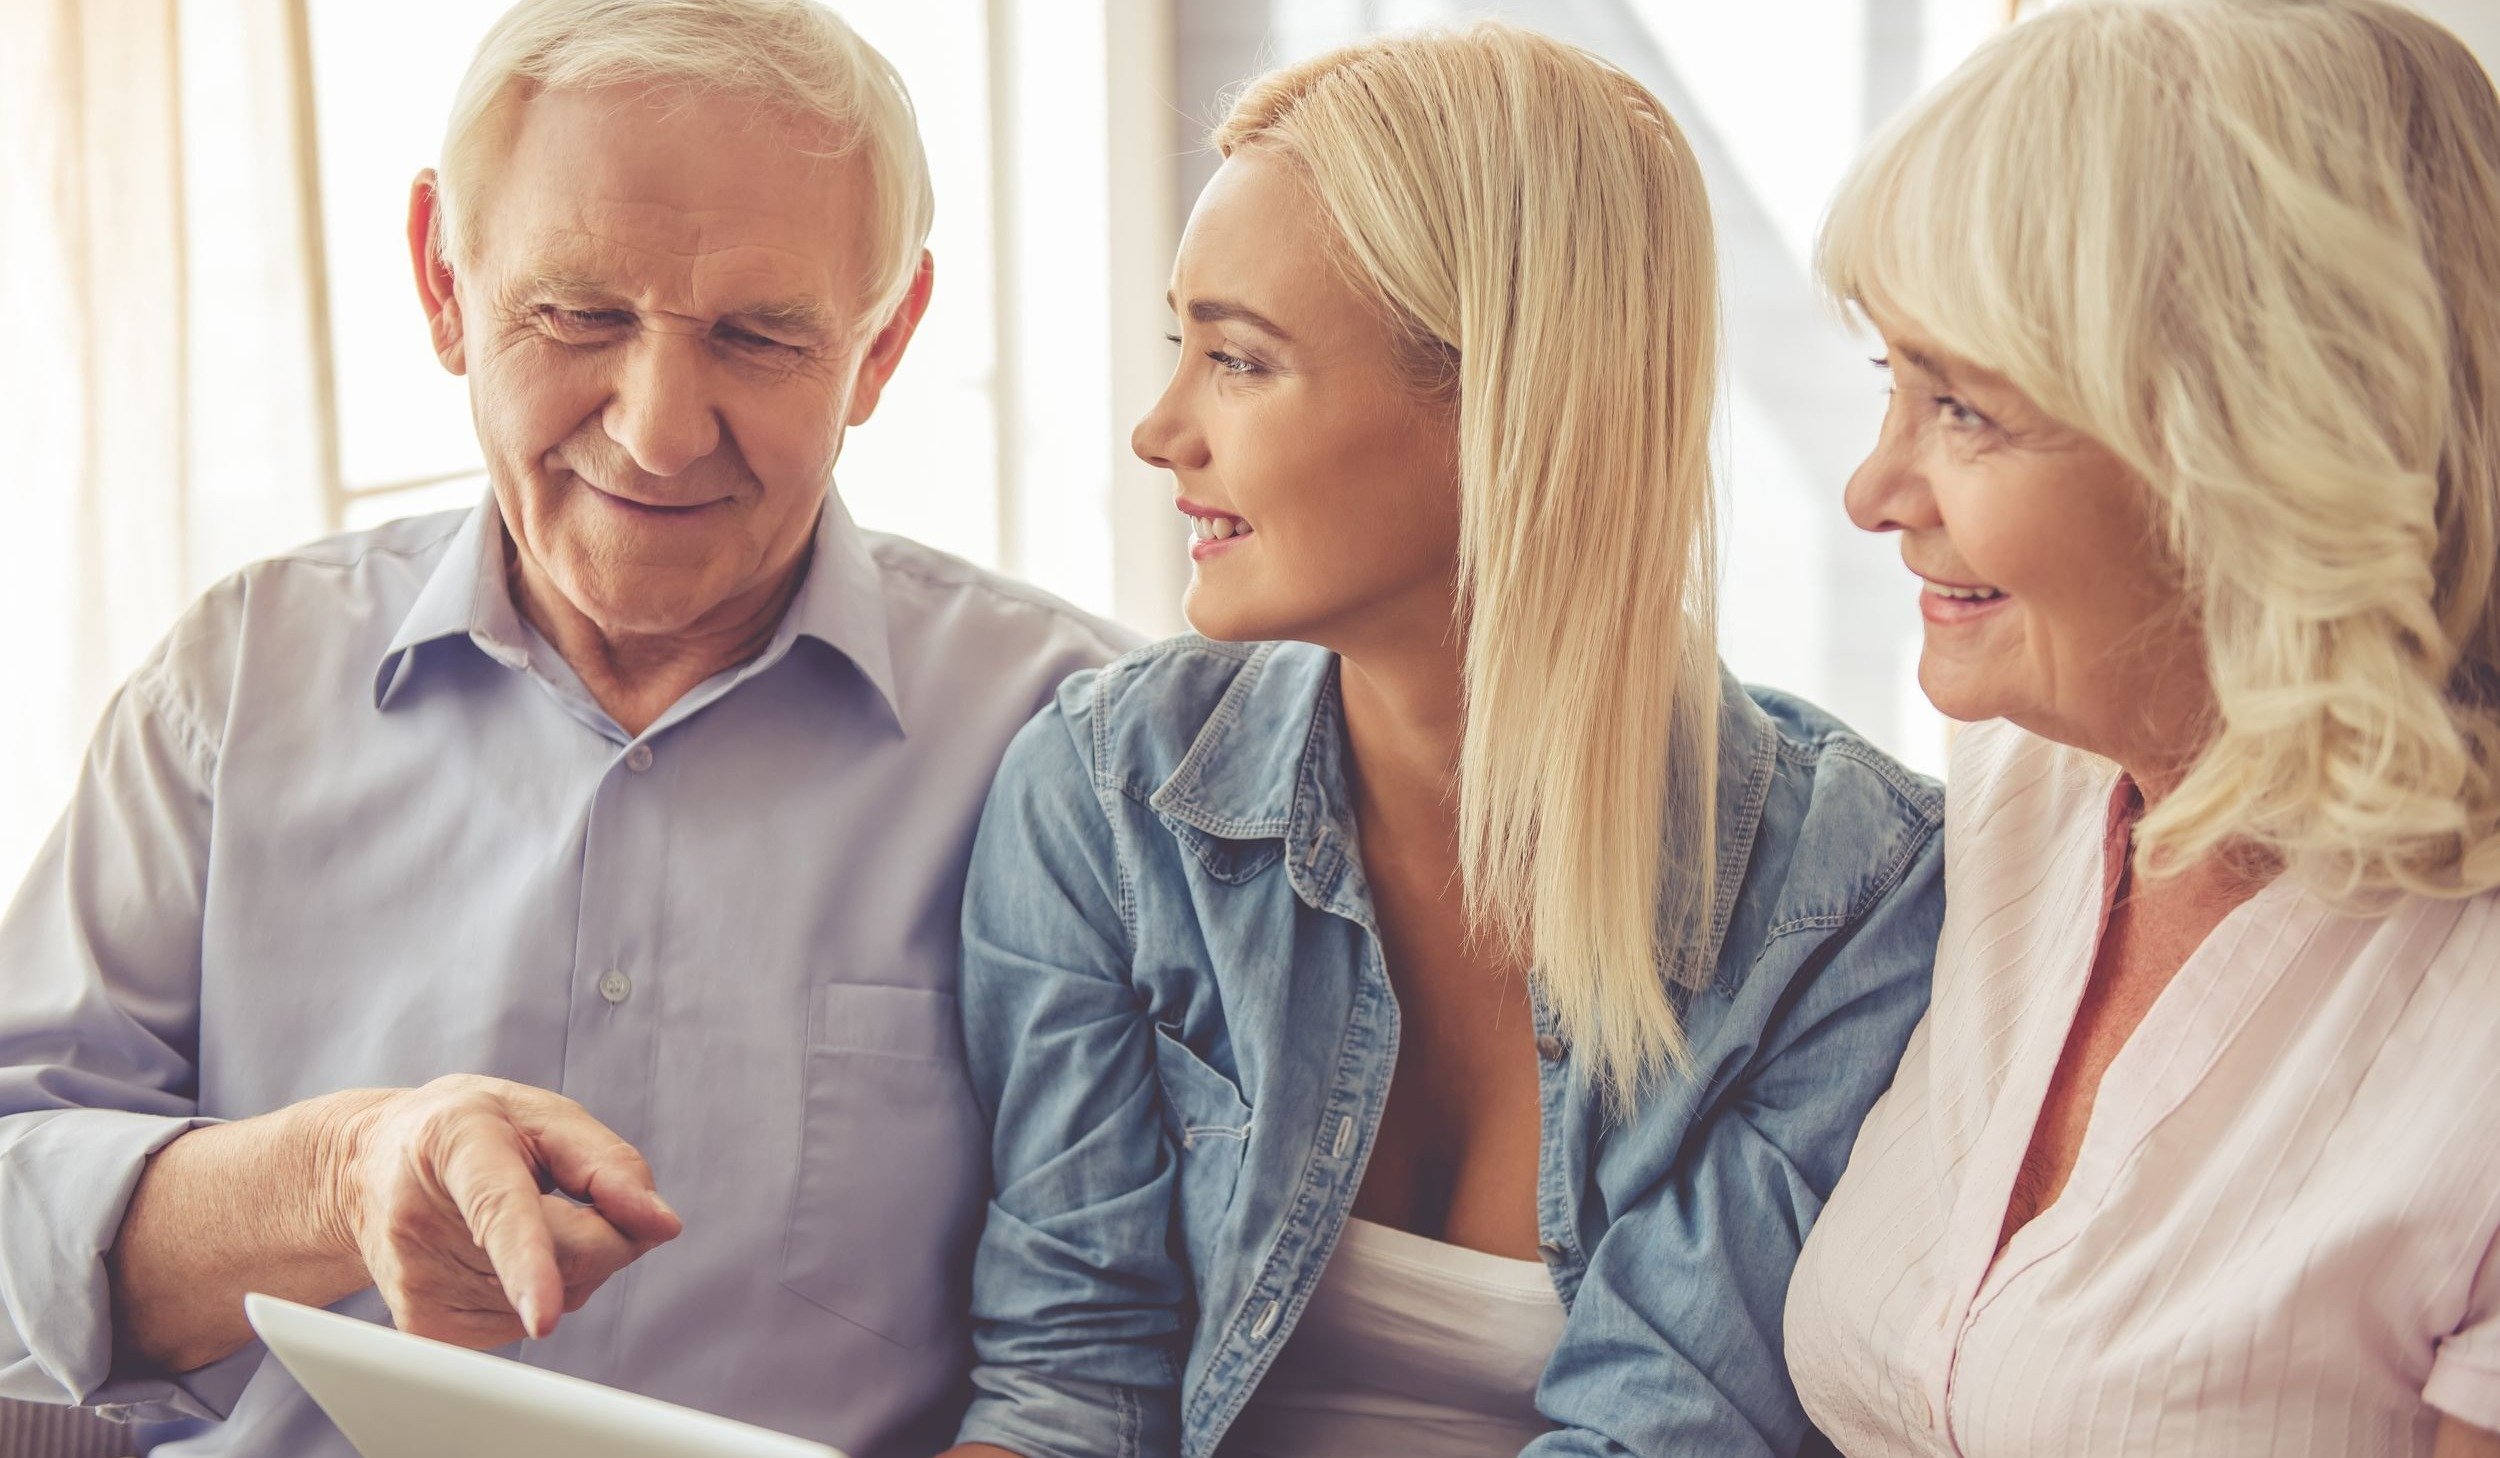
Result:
x=1958 y=415
x=1232 y=364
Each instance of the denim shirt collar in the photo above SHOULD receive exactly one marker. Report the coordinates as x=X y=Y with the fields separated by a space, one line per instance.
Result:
x=1266 y=777
x=840 y=603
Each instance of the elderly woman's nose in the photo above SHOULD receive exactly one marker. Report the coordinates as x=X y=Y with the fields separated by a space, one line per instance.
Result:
x=1887 y=493
x=663 y=411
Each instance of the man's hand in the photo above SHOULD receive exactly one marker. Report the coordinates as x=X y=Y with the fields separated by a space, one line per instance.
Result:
x=460 y=1198
x=452 y=1198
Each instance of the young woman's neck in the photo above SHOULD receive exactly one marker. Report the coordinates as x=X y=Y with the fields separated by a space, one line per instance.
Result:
x=1405 y=712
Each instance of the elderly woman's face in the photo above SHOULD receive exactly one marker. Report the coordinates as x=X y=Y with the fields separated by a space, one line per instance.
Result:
x=2047 y=594
x=661 y=324
x=1323 y=487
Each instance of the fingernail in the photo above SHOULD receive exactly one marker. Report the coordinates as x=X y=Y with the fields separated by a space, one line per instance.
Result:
x=533 y=1320
x=665 y=1208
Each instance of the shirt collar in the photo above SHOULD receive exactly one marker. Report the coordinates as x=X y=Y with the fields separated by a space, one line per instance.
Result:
x=840 y=603
x=1276 y=743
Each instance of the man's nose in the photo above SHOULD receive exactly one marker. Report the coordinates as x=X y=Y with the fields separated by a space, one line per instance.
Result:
x=663 y=412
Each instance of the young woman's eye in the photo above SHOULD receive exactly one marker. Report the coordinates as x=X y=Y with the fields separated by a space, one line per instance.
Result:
x=1232 y=364
x=1883 y=366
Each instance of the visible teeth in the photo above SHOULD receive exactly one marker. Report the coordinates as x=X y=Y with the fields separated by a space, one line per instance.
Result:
x=1963 y=594
x=1216 y=528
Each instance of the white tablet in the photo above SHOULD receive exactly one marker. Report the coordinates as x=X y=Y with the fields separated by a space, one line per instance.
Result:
x=400 y=1396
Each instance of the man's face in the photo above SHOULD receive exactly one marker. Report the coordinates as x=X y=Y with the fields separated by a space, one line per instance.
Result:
x=660 y=316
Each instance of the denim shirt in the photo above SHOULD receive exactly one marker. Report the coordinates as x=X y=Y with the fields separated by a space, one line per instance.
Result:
x=1178 y=1016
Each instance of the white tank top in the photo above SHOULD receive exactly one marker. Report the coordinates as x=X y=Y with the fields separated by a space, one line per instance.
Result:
x=1408 y=1346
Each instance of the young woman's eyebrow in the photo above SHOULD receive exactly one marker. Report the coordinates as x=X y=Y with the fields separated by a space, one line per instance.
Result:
x=1216 y=311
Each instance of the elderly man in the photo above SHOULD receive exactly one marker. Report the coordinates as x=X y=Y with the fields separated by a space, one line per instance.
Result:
x=611 y=832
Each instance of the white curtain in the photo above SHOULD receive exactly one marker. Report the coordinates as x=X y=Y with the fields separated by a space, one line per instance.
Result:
x=161 y=379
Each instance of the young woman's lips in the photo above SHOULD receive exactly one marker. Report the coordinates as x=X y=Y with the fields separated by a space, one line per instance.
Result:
x=1212 y=533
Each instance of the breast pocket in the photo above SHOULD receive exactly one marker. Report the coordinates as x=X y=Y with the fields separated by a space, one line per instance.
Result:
x=1207 y=1116
x=892 y=1163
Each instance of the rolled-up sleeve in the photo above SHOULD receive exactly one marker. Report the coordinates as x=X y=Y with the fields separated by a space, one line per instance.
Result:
x=99 y=1018
x=1673 y=1345
x=1078 y=1304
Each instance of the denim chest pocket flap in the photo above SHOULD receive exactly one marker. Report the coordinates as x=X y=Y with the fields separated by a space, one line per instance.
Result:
x=892 y=1162
x=1199 y=1102
x=1210 y=1123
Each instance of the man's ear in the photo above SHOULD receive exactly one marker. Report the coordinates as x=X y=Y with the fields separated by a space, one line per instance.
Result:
x=886 y=350
x=434 y=276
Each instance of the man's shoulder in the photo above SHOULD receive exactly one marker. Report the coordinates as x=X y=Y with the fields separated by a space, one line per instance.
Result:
x=343 y=582
x=936 y=593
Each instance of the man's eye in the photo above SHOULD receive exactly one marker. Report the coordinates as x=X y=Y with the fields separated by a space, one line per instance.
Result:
x=582 y=319
x=755 y=341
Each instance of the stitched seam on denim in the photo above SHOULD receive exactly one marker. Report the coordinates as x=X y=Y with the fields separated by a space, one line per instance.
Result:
x=1737 y=857
x=1324 y=709
x=1922 y=798
x=1124 y=890
x=1190 y=774
x=1234 y=1354
x=1905 y=853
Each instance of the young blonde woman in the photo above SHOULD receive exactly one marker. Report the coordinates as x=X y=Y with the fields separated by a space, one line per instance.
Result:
x=1424 y=1014
x=2193 y=315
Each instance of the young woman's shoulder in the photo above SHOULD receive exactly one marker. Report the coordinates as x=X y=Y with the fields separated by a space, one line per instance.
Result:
x=1845 y=822
x=1136 y=721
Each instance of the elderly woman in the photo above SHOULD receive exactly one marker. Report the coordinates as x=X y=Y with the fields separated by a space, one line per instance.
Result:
x=2192 y=313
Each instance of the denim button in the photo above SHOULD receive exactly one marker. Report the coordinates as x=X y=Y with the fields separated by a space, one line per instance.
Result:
x=1550 y=1048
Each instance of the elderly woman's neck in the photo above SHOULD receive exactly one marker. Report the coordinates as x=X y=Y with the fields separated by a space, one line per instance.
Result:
x=635 y=677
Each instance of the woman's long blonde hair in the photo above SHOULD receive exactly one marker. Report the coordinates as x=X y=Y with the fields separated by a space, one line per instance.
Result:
x=2253 y=247
x=1533 y=224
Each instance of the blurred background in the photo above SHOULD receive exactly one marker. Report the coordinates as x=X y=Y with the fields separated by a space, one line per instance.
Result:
x=215 y=350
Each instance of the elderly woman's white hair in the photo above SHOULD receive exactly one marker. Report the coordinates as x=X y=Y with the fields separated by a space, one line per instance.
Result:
x=790 y=54
x=2253 y=247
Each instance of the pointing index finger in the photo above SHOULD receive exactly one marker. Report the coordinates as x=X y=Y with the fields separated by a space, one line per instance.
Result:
x=497 y=1194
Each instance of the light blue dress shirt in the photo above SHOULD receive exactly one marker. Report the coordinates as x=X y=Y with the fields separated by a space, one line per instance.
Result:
x=355 y=824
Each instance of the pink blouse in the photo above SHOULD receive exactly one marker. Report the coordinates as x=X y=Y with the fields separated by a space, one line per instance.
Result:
x=2279 y=1234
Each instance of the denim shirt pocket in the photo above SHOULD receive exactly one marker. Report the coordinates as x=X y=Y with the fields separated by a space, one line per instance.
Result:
x=1210 y=1123
x=891 y=1163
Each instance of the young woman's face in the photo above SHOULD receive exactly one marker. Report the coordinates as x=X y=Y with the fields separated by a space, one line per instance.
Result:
x=2048 y=596
x=1321 y=483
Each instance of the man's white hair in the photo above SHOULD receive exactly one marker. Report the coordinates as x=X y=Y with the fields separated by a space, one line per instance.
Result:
x=792 y=54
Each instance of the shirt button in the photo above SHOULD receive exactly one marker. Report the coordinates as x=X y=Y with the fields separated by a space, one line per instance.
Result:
x=638 y=758
x=616 y=986
x=1266 y=1322
x=1550 y=1250
x=1550 y=1048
